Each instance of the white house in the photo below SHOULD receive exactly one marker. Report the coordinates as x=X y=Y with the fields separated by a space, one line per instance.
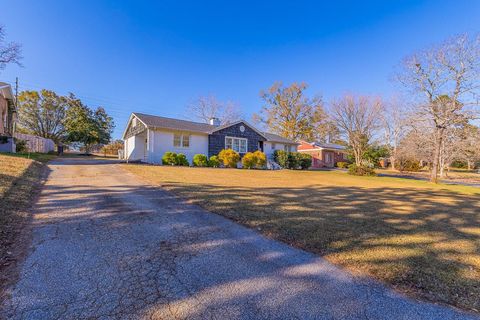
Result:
x=148 y=137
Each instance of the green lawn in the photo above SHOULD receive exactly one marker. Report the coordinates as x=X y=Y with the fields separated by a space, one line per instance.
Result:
x=422 y=238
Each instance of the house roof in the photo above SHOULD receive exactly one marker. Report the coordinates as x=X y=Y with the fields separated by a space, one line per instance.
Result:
x=330 y=146
x=321 y=145
x=174 y=124
x=192 y=126
x=276 y=138
x=6 y=90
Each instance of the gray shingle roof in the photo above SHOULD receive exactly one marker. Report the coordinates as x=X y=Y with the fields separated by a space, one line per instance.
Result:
x=174 y=124
x=191 y=126
x=276 y=138
x=330 y=146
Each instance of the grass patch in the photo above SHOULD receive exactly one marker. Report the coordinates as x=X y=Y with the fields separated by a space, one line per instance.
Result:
x=419 y=237
x=20 y=179
x=41 y=157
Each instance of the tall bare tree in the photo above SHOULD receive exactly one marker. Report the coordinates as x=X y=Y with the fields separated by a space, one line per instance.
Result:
x=357 y=117
x=289 y=113
x=10 y=52
x=446 y=81
x=394 y=122
x=205 y=108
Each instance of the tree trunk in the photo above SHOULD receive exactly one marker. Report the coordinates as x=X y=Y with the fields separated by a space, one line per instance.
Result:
x=392 y=162
x=436 y=155
x=469 y=165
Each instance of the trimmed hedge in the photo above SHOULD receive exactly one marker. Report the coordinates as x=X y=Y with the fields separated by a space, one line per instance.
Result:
x=169 y=158
x=229 y=158
x=253 y=160
x=182 y=160
x=361 y=170
x=214 y=162
x=173 y=159
x=200 y=160
x=292 y=160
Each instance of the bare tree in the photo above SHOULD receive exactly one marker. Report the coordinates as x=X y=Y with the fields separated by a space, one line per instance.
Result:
x=9 y=52
x=394 y=122
x=357 y=117
x=469 y=145
x=446 y=80
x=205 y=108
x=290 y=113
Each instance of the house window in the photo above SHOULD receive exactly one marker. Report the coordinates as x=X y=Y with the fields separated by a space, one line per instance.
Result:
x=274 y=146
x=181 y=140
x=236 y=144
x=287 y=148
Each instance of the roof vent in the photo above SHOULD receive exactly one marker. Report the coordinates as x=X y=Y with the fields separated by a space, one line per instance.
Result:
x=214 y=121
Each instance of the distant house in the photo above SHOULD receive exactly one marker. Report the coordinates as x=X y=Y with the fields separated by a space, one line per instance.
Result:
x=148 y=137
x=7 y=118
x=323 y=154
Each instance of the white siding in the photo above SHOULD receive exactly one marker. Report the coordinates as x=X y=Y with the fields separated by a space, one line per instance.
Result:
x=269 y=150
x=135 y=147
x=161 y=141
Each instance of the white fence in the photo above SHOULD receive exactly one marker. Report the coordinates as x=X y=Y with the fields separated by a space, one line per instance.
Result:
x=35 y=143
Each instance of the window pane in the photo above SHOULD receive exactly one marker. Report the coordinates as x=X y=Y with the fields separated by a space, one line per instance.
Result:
x=186 y=141
x=228 y=143
x=243 y=146
x=177 y=138
x=236 y=145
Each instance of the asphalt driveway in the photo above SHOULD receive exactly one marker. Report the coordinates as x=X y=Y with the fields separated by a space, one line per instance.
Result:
x=106 y=245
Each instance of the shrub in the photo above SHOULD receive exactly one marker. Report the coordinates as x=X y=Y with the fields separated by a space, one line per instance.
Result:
x=304 y=160
x=292 y=160
x=283 y=158
x=200 y=160
x=342 y=164
x=229 y=158
x=3 y=139
x=408 y=165
x=214 y=162
x=361 y=170
x=20 y=145
x=169 y=158
x=459 y=164
x=249 y=160
x=261 y=159
x=182 y=160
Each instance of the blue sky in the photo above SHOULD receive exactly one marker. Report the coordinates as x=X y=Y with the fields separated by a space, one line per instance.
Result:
x=157 y=56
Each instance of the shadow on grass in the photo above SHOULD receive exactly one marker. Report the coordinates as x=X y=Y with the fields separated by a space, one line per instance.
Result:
x=422 y=241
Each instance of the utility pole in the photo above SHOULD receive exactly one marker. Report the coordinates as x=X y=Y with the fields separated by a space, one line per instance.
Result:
x=16 y=91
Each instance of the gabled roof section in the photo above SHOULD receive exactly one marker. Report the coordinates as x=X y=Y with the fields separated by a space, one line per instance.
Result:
x=218 y=128
x=321 y=145
x=173 y=124
x=276 y=138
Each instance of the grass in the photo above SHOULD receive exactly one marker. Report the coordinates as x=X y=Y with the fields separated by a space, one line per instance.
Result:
x=19 y=181
x=422 y=238
x=41 y=157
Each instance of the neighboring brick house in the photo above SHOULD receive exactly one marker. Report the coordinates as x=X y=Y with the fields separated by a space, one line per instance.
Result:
x=7 y=118
x=323 y=154
x=147 y=138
